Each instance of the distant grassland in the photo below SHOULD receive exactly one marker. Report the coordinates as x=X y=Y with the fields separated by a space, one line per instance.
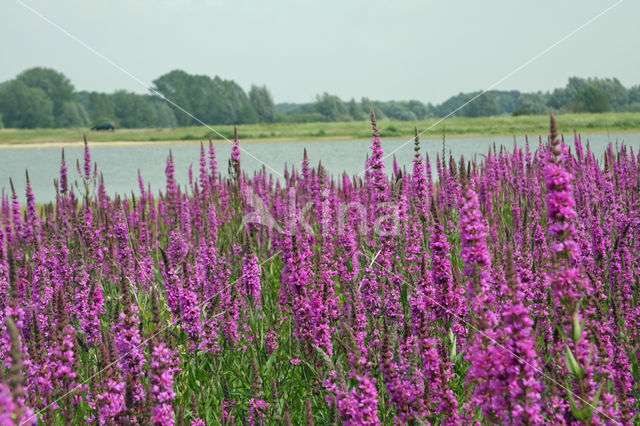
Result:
x=460 y=127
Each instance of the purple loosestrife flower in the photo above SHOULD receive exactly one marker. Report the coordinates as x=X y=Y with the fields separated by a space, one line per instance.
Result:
x=522 y=389
x=377 y=182
x=64 y=179
x=204 y=173
x=452 y=306
x=227 y=406
x=12 y=412
x=306 y=172
x=7 y=407
x=485 y=357
x=360 y=406
x=4 y=273
x=235 y=155
x=141 y=187
x=16 y=214
x=124 y=254
x=62 y=357
x=164 y=365
x=256 y=413
x=13 y=397
x=128 y=343
x=87 y=161
x=88 y=304
x=109 y=403
x=251 y=278
x=5 y=214
x=91 y=316
x=190 y=309
x=378 y=277
x=419 y=184
x=296 y=285
x=402 y=380
x=180 y=286
x=430 y=185
x=324 y=302
x=475 y=253
x=172 y=192
x=213 y=164
x=271 y=342
x=568 y=285
x=32 y=222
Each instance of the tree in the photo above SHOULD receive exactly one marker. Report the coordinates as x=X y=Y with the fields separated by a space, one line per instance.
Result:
x=234 y=106
x=82 y=97
x=419 y=109
x=591 y=99
x=399 y=111
x=331 y=107
x=55 y=85
x=164 y=114
x=25 y=107
x=355 y=111
x=535 y=103
x=634 y=99
x=181 y=88
x=634 y=94
x=616 y=93
x=132 y=110
x=506 y=101
x=101 y=107
x=560 y=98
x=484 y=105
x=368 y=105
x=213 y=101
x=72 y=115
x=263 y=103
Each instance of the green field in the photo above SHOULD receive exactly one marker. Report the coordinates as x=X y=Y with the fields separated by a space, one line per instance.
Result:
x=466 y=127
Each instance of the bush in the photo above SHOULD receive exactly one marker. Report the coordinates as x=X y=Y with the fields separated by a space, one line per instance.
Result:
x=592 y=99
x=105 y=119
x=312 y=117
x=521 y=111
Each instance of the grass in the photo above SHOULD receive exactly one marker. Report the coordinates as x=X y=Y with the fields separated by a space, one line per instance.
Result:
x=461 y=127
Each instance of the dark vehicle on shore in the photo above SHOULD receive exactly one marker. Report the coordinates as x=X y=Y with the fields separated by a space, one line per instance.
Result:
x=104 y=126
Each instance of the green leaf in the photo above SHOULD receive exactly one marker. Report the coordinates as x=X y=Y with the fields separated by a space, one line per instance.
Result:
x=578 y=328
x=572 y=364
x=592 y=407
x=454 y=346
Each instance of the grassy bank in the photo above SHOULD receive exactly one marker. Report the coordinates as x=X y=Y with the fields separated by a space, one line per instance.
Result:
x=465 y=127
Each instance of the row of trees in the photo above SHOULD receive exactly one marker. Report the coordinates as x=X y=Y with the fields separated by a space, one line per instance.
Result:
x=579 y=95
x=42 y=97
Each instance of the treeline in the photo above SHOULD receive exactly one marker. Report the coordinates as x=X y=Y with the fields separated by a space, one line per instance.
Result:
x=579 y=95
x=42 y=97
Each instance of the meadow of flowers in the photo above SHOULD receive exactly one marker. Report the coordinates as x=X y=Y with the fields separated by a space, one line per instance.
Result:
x=501 y=290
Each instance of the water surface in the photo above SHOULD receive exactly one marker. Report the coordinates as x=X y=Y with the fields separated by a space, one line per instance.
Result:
x=120 y=164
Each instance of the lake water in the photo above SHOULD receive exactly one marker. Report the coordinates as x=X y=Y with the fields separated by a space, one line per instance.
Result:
x=120 y=164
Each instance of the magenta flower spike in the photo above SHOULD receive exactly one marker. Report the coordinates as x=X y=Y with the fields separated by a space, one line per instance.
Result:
x=64 y=179
x=87 y=160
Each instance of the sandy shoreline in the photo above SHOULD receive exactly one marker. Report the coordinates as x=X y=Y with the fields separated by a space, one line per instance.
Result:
x=94 y=144
x=125 y=143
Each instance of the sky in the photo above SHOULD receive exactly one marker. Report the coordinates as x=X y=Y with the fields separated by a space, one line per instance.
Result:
x=384 y=50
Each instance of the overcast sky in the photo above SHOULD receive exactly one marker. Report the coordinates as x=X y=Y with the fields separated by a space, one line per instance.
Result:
x=401 y=49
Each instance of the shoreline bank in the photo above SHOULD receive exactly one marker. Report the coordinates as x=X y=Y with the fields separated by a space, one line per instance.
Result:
x=343 y=138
